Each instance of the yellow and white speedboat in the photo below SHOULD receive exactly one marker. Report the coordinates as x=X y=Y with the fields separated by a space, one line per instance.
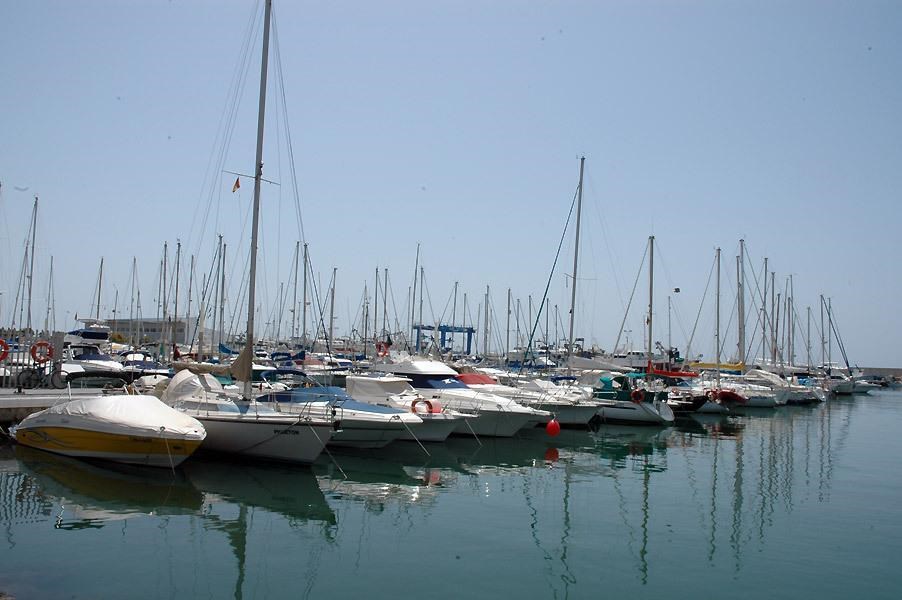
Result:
x=121 y=428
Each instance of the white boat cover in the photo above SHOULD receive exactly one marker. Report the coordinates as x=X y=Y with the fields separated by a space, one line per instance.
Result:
x=119 y=414
x=373 y=387
x=186 y=384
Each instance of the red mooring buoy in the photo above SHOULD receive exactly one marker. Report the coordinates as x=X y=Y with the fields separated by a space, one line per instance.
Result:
x=553 y=428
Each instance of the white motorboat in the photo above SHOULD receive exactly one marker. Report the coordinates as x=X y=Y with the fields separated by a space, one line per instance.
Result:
x=787 y=392
x=122 y=428
x=621 y=401
x=92 y=332
x=245 y=427
x=88 y=358
x=569 y=409
x=361 y=425
x=396 y=392
x=490 y=415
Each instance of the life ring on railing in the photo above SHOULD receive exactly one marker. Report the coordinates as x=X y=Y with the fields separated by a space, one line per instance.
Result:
x=4 y=349
x=381 y=349
x=41 y=352
x=637 y=396
x=413 y=405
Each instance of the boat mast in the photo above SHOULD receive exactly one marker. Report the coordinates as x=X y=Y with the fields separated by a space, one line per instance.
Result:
x=258 y=174
x=764 y=313
x=34 y=228
x=384 y=304
x=164 y=302
x=669 y=340
x=215 y=292
x=464 y=323
x=175 y=301
x=50 y=302
x=99 y=286
x=808 y=339
x=823 y=350
x=579 y=207
x=518 y=340
x=792 y=322
x=651 y=291
x=485 y=341
x=740 y=278
x=774 y=316
x=366 y=317
x=507 y=342
x=131 y=305
x=294 y=295
x=830 y=332
x=422 y=293
x=331 y=341
x=413 y=299
x=222 y=298
x=375 y=316
x=190 y=291
x=304 y=312
x=717 y=321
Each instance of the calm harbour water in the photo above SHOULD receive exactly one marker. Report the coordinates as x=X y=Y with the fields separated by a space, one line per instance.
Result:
x=799 y=502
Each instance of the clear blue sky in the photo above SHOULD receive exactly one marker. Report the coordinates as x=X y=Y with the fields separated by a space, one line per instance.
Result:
x=458 y=125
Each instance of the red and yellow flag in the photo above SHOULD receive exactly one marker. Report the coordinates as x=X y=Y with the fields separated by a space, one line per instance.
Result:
x=237 y=185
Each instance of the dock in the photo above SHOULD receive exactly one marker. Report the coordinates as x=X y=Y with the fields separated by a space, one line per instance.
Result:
x=15 y=404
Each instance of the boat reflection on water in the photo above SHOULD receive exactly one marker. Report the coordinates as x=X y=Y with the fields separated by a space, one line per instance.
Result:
x=90 y=494
x=620 y=445
x=400 y=473
x=237 y=494
x=710 y=425
x=282 y=489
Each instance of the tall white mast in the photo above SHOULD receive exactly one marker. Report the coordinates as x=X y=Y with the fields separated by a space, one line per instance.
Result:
x=304 y=313
x=579 y=207
x=222 y=296
x=717 y=321
x=507 y=342
x=485 y=341
x=34 y=230
x=258 y=174
x=99 y=286
x=740 y=278
x=190 y=292
x=651 y=292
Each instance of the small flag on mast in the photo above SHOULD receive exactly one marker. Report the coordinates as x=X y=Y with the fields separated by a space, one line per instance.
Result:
x=237 y=185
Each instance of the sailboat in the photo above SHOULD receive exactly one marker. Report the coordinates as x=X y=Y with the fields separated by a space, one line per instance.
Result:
x=629 y=403
x=241 y=425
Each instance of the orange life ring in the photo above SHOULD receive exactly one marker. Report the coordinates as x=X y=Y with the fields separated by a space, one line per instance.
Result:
x=637 y=396
x=4 y=349
x=41 y=352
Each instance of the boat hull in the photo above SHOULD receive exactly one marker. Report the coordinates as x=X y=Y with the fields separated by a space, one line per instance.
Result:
x=570 y=415
x=645 y=413
x=300 y=441
x=493 y=423
x=431 y=429
x=365 y=434
x=162 y=451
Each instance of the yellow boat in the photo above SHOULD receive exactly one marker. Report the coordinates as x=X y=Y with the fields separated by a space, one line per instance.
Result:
x=121 y=428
